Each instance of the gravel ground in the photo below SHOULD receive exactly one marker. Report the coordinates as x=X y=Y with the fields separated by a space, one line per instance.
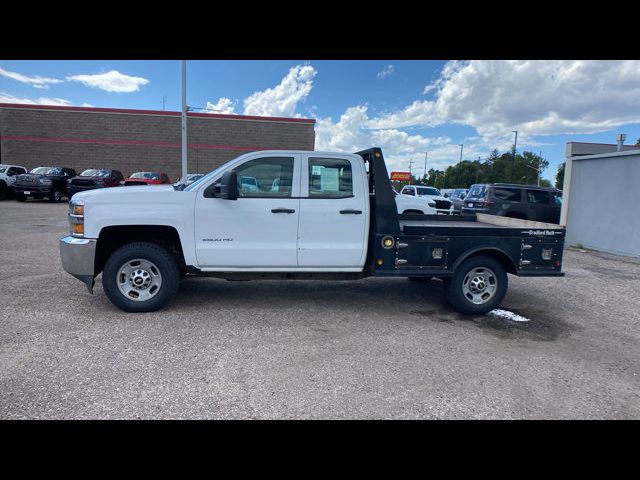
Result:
x=375 y=348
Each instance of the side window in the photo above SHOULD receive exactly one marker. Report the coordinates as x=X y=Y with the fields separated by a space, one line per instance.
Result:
x=330 y=178
x=538 y=197
x=265 y=177
x=509 y=194
x=409 y=191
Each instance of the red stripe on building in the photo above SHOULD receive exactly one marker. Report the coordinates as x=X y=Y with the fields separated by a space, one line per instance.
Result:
x=156 y=112
x=131 y=142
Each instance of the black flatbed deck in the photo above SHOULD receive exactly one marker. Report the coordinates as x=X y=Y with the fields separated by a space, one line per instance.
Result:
x=473 y=226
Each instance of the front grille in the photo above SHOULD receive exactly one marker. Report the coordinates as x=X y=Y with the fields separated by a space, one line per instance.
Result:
x=443 y=204
x=27 y=180
x=83 y=183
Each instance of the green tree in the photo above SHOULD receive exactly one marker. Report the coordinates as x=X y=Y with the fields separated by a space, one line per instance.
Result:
x=560 y=176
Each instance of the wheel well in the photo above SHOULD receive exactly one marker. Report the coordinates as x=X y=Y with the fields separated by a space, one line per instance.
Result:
x=521 y=216
x=412 y=211
x=112 y=238
x=500 y=256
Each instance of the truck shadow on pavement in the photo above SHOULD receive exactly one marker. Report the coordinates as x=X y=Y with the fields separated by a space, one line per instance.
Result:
x=398 y=298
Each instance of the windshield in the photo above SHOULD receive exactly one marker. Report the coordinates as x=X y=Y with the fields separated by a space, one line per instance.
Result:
x=93 y=172
x=428 y=191
x=2 y=169
x=46 y=171
x=147 y=175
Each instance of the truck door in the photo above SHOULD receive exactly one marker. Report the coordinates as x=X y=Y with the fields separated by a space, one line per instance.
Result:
x=260 y=228
x=334 y=212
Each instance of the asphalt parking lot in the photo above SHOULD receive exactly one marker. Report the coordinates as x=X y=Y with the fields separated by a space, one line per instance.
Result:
x=376 y=348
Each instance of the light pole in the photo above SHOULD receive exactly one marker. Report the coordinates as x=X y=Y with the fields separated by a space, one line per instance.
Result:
x=515 y=146
x=184 y=120
x=537 y=169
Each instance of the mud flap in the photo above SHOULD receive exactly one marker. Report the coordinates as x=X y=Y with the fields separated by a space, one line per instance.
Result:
x=88 y=280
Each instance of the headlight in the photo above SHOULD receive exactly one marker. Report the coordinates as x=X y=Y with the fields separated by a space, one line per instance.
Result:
x=432 y=204
x=46 y=181
x=76 y=218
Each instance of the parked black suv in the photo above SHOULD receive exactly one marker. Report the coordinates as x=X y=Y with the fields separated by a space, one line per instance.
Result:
x=527 y=202
x=94 y=178
x=43 y=182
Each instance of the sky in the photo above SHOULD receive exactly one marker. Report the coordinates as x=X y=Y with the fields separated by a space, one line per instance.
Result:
x=405 y=107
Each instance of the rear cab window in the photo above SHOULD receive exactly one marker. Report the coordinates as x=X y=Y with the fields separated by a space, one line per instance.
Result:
x=330 y=178
x=477 y=191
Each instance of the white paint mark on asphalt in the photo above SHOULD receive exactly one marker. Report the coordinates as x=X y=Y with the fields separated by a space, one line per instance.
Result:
x=497 y=312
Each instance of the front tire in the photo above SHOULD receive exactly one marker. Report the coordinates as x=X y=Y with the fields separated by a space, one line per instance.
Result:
x=140 y=277
x=20 y=197
x=478 y=286
x=56 y=195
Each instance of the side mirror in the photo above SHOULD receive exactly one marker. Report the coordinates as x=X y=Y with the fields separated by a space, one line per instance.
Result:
x=226 y=188
x=446 y=195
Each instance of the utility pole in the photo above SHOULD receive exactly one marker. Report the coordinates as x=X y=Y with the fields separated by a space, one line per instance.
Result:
x=425 y=166
x=184 y=120
x=459 y=163
x=164 y=101
x=410 y=171
x=513 y=166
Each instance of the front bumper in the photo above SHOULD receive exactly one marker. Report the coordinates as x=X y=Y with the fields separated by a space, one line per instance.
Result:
x=78 y=258
x=33 y=190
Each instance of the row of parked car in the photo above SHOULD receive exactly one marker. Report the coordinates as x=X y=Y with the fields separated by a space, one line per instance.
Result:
x=54 y=183
x=526 y=202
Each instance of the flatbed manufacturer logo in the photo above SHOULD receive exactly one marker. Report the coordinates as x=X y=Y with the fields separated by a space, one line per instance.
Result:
x=539 y=233
x=217 y=239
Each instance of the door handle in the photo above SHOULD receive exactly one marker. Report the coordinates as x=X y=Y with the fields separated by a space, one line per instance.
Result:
x=351 y=211
x=283 y=210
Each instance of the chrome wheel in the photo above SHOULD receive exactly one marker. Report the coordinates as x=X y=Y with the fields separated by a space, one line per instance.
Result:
x=139 y=279
x=480 y=285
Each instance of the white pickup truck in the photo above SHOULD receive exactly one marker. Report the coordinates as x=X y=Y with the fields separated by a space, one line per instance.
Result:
x=309 y=215
x=8 y=174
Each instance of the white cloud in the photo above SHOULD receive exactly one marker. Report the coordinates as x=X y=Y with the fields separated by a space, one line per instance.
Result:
x=224 y=105
x=533 y=97
x=7 y=98
x=386 y=71
x=282 y=100
x=112 y=81
x=35 y=81
x=351 y=133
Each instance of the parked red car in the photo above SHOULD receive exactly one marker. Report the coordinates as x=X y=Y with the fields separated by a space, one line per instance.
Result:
x=146 y=178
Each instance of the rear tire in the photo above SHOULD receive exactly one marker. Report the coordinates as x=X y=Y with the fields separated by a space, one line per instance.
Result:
x=478 y=286
x=4 y=191
x=20 y=197
x=135 y=263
